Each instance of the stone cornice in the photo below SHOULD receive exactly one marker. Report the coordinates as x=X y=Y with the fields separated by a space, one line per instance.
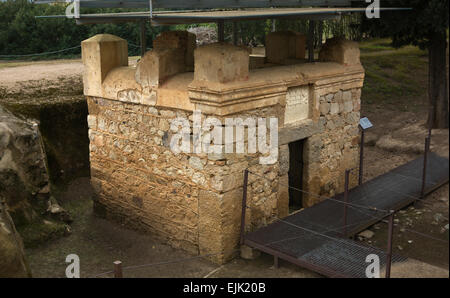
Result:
x=269 y=86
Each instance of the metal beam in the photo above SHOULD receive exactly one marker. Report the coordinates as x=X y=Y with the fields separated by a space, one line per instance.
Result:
x=204 y=4
x=221 y=31
x=143 y=38
x=312 y=25
x=235 y=33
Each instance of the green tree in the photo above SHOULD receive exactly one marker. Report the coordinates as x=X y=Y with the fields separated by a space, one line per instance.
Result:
x=426 y=26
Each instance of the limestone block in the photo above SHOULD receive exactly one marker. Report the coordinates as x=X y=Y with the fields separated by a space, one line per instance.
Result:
x=257 y=61
x=100 y=54
x=221 y=63
x=284 y=159
x=178 y=40
x=259 y=51
x=283 y=196
x=347 y=96
x=297 y=104
x=334 y=108
x=249 y=253
x=283 y=45
x=324 y=108
x=348 y=106
x=159 y=64
x=341 y=51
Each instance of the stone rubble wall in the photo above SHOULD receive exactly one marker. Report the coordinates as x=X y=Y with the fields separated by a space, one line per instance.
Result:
x=191 y=201
x=139 y=181
x=335 y=148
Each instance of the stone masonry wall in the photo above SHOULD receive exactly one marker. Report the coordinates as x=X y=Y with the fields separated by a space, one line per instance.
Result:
x=138 y=180
x=335 y=148
x=191 y=201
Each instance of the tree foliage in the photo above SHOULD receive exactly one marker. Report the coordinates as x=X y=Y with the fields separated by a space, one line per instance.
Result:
x=417 y=27
x=22 y=33
x=426 y=26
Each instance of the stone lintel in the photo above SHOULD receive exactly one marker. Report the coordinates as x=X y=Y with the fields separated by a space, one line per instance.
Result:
x=297 y=131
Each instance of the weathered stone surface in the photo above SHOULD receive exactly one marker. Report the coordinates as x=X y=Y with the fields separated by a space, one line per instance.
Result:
x=221 y=63
x=249 y=253
x=325 y=108
x=23 y=173
x=367 y=234
x=183 y=40
x=301 y=130
x=159 y=64
x=284 y=45
x=283 y=196
x=297 y=104
x=12 y=256
x=101 y=53
x=341 y=51
x=257 y=61
x=334 y=108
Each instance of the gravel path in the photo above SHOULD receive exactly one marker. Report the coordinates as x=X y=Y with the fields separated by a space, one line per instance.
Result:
x=52 y=71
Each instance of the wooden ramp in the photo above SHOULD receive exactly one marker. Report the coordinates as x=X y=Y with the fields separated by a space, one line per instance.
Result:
x=314 y=238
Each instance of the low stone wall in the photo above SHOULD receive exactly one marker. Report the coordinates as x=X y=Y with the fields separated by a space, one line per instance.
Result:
x=194 y=200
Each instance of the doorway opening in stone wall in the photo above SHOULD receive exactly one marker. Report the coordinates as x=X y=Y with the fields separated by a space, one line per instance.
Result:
x=295 y=175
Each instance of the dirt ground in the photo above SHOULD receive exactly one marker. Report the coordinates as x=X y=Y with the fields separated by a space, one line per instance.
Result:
x=11 y=77
x=15 y=76
x=99 y=243
x=397 y=137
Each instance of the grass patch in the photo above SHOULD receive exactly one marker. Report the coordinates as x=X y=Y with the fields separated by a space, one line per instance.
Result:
x=375 y=45
x=395 y=78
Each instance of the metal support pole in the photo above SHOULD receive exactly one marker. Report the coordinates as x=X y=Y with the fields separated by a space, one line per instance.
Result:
x=143 y=38
x=347 y=180
x=361 y=157
x=118 y=269
x=275 y=262
x=427 y=150
x=431 y=120
x=312 y=25
x=425 y=161
x=320 y=35
x=235 y=33
x=244 y=205
x=221 y=31
x=389 y=245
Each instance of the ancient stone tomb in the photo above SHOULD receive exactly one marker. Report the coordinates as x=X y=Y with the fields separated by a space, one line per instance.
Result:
x=192 y=199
